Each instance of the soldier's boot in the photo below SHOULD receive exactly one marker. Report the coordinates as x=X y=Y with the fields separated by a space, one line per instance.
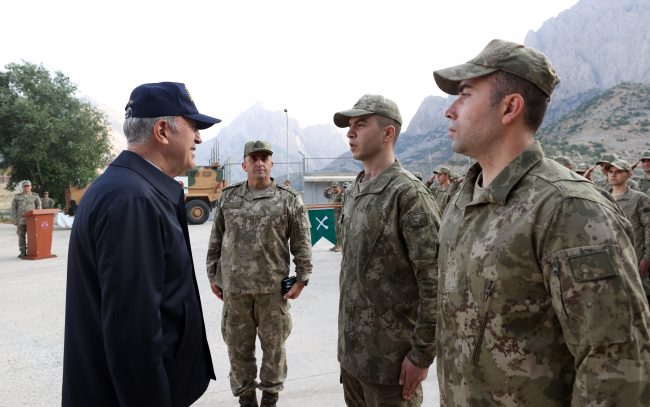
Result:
x=249 y=400
x=338 y=248
x=22 y=254
x=333 y=248
x=269 y=399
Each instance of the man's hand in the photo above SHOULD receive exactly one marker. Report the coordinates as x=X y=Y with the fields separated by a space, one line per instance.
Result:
x=460 y=180
x=432 y=178
x=644 y=266
x=635 y=164
x=217 y=291
x=328 y=188
x=589 y=171
x=411 y=377
x=294 y=292
x=15 y=223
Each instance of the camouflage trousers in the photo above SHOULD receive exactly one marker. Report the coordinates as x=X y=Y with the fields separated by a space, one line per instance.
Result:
x=337 y=227
x=360 y=393
x=22 y=237
x=244 y=317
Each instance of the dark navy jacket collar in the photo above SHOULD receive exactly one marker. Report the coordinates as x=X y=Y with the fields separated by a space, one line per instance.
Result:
x=166 y=185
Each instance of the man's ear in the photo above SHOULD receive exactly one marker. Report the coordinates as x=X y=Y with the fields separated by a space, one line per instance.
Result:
x=161 y=132
x=389 y=133
x=243 y=165
x=512 y=107
x=629 y=175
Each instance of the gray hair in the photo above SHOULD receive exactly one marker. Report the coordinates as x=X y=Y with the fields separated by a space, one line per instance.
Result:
x=138 y=129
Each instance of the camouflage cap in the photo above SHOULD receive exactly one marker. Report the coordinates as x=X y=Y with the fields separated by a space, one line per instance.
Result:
x=454 y=176
x=258 y=145
x=443 y=170
x=525 y=62
x=287 y=180
x=46 y=193
x=645 y=155
x=621 y=165
x=335 y=184
x=369 y=104
x=581 y=167
x=27 y=183
x=563 y=160
x=417 y=175
x=607 y=159
x=346 y=184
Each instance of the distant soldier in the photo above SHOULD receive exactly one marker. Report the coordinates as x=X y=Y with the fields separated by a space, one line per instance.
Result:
x=345 y=187
x=581 y=169
x=636 y=207
x=389 y=278
x=258 y=224
x=418 y=176
x=48 y=203
x=604 y=161
x=333 y=194
x=24 y=202
x=456 y=181
x=287 y=182
x=540 y=300
x=644 y=182
x=442 y=192
x=564 y=161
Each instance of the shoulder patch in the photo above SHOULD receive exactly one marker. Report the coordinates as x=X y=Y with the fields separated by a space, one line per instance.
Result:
x=236 y=184
x=591 y=266
x=419 y=219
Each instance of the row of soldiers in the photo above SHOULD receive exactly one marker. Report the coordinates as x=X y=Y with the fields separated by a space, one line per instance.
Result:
x=22 y=203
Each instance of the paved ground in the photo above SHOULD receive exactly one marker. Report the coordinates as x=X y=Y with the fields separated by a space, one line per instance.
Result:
x=32 y=306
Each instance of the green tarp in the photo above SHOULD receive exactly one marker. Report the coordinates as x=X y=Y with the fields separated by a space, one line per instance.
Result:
x=322 y=225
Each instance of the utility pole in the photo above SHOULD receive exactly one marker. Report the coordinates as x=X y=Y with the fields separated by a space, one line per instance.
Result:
x=287 y=114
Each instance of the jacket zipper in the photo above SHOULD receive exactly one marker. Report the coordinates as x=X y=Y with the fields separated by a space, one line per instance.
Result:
x=372 y=251
x=556 y=272
x=479 y=337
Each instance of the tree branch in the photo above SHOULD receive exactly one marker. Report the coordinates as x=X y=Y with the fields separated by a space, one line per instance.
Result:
x=38 y=167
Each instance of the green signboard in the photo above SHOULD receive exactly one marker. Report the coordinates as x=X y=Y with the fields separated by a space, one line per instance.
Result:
x=322 y=225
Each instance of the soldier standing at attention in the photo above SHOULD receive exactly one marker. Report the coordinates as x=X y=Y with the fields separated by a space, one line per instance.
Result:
x=257 y=224
x=605 y=160
x=345 y=187
x=333 y=194
x=23 y=202
x=418 y=176
x=48 y=203
x=636 y=208
x=389 y=276
x=644 y=182
x=541 y=303
x=441 y=193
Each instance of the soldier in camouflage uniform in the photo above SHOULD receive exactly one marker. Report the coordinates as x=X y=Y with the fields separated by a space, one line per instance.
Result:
x=418 y=176
x=636 y=208
x=644 y=182
x=387 y=306
x=257 y=225
x=22 y=203
x=48 y=203
x=604 y=161
x=581 y=169
x=442 y=192
x=564 y=161
x=541 y=303
x=333 y=195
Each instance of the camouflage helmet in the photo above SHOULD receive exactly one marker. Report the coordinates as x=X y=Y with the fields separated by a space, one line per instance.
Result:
x=621 y=165
x=645 y=155
x=335 y=184
x=417 y=175
x=525 y=62
x=443 y=170
x=607 y=158
x=581 y=167
x=563 y=160
x=369 y=104
x=27 y=183
x=258 y=145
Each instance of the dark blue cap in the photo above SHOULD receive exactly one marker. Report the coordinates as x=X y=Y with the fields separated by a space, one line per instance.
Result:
x=166 y=99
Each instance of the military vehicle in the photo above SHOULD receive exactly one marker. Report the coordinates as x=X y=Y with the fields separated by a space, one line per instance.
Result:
x=202 y=186
x=73 y=197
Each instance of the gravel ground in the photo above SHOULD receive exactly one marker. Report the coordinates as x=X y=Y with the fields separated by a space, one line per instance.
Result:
x=32 y=307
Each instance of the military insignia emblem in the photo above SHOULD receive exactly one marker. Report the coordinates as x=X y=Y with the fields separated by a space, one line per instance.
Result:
x=188 y=93
x=44 y=225
x=259 y=144
x=419 y=219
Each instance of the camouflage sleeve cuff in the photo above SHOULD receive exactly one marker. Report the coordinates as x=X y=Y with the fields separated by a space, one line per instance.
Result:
x=302 y=278
x=420 y=359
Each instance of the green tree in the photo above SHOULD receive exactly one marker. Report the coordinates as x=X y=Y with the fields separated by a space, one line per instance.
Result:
x=47 y=133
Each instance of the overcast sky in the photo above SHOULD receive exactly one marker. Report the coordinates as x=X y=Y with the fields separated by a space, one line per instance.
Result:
x=310 y=57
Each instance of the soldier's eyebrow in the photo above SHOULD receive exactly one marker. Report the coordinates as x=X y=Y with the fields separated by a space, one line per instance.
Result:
x=464 y=86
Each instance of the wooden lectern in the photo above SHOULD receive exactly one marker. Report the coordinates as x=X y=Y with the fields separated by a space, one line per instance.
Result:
x=40 y=224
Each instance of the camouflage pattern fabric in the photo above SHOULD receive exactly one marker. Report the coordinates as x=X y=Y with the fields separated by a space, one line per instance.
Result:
x=245 y=316
x=541 y=303
x=48 y=203
x=528 y=63
x=636 y=208
x=644 y=184
x=442 y=196
x=369 y=104
x=360 y=393
x=249 y=246
x=23 y=203
x=604 y=184
x=335 y=199
x=389 y=276
x=21 y=231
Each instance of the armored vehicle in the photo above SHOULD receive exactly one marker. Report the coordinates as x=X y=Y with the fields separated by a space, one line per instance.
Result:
x=202 y=186
x=73 y=197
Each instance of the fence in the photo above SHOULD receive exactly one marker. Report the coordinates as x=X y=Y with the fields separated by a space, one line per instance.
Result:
x=234 y=172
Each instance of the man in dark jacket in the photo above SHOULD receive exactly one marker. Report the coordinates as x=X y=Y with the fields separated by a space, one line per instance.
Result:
x=134 y=330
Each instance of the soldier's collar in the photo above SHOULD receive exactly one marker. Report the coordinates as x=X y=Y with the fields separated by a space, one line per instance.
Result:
x=625 y=195
x=378 y=184
x=244 y=193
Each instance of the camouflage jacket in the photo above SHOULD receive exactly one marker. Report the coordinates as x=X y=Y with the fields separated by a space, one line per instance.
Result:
x=604 y=184
x=389 y=276
x=48 y=203
x=442 y=196
x=644 y=184
x=24 y=203
x=541 y=302
x=636 y=208
x=251 y=239
x=334 y=199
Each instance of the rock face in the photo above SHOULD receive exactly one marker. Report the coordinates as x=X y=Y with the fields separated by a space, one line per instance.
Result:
x=594 y=45
x=115 y=120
